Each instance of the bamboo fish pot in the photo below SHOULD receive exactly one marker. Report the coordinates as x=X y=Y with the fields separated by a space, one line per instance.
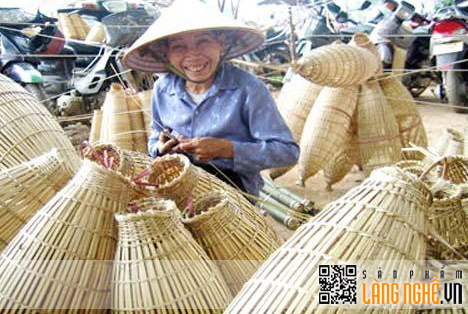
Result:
x=337 y=65
x=160 y=268
x=326 y=128
x=75 y=234
x=362 y=40
x=27 y=129
x=137 y=124
x=110 y=157
x=174 y=177
x=381 y=219
x=378 y=134
x=145 y=98
x=73 y=26
x=229 y=237
x=26 y=188
x=95 y=132
x=407 y=116
x=294 y=103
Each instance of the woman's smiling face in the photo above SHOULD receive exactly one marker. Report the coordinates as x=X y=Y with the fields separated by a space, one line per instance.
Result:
x=196 y=54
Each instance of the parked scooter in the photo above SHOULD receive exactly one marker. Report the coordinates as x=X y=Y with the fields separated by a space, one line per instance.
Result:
x=449 y=44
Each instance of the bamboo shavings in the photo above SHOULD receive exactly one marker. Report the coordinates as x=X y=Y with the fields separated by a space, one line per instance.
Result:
x=26 y=188
x=229 y=237
x=406 y=113
x=381 y=219
x=75 y=233
x=378 y=136
x=159 y=266
x=27 y=129
x=326 y=128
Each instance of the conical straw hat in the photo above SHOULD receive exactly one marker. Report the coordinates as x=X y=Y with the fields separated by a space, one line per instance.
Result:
x=160 y=268
x=229 y=237
x=60 y=259
x=382 y=219
x=182 y=17
x=26 y=188
x=27 y=129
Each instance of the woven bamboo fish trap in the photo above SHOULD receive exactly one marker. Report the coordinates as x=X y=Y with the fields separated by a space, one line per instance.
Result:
x=116 y=119
x=337 y=65
x=145 y=97
x=344 y=159
x=160 y=268
x=174 y=177
x=137 y=124
x=378 y=135
x=26 y=188
x=75 y=234
x=27 y=129
x=326 y=128
x=96 y=34
x=406 y=113
x=73 y=26
x=229 y=237
x=381 y=219
x=294 y=103
x=95 y=132
x=363 y=41
x=111 y=157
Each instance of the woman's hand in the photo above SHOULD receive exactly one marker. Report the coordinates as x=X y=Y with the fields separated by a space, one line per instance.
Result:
x=166 y=144
x=205 y=149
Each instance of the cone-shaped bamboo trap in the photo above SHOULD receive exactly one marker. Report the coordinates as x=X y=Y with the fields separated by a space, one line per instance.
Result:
x=362 y=40
x=95 y=132
x=406 y=113
x=337 y=65
x=110 y=157
x=145 y=97
x=229 y=237
x=116 y=119
x=382 y=219
x=26 y=188
x=27 y=129
x=139 y=160
x=60 y=258
x=378 y=135
x=174 y=177
x=137 y=124
x=326 y=128
x=294 y=103
x=160 y=268
x=73 y=26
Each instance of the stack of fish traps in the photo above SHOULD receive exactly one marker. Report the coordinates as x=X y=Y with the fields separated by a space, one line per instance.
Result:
x=382 y=219
x=348 y=113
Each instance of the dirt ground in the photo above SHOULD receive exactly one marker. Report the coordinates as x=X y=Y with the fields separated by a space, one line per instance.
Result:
x=436 y=118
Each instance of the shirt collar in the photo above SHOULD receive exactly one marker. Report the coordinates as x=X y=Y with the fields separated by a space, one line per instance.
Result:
x=176 y=84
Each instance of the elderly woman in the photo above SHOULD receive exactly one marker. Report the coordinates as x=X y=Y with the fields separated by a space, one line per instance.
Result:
x=221 y=116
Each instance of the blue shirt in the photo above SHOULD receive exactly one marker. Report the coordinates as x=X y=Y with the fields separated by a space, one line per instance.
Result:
x=237 y=107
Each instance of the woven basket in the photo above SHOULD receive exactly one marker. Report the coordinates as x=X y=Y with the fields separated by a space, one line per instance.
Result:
x=362 y=40
x=27 y=129
x=95 y=132
x=160 y=268
x=137 y=124
x=337 y=65
x=229 y=237
x=326 y=128
x=145 y=98
x=57 y=261
x=406 y=113
x=26 y=188
x=378 y=136
x=175 y=178
x=344 y=159
x=116 y=119
x=111 y=157
x=96 y=34
x=381 y=219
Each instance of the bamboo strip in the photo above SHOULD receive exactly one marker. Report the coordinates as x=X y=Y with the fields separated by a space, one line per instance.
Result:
x=27 y=129
x=26 y=188
x=382 y=219
x=159 y=266
x=96 y=122
x=58 y=261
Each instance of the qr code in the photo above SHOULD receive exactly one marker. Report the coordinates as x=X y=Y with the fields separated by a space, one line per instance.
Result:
x=337 y=284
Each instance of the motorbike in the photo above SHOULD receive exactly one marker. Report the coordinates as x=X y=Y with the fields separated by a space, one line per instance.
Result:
x=449 y=45
x=22 y=46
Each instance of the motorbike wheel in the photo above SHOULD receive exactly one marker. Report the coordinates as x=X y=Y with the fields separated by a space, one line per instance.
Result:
x=38 y=91
x=455 y=87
